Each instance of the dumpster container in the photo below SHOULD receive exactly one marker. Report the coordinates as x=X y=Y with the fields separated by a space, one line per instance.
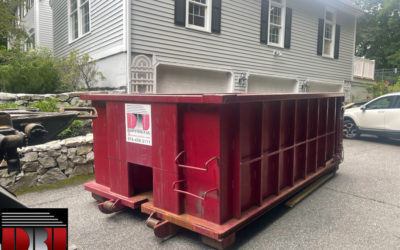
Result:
x=211 y=163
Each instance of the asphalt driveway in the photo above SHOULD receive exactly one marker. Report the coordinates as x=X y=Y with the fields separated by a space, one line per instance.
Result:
x=358 y=209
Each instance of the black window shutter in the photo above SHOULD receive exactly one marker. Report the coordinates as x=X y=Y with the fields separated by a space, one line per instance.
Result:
x=180 y=12
x=288 y=28
x=264 y=21
x=337 y=41
x=216 y=17
x=321 y=23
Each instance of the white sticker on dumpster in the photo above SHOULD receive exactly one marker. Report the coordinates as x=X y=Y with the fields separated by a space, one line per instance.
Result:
x=138 y=123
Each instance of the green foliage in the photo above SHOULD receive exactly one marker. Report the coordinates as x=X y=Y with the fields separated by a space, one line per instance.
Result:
x=79 y=71
x=76 y=180
x=39 y=72
x=47 y=105
x=6 y=55
x=31 y=72
x=381 y=88
x=369 y=6
x=8 y=106
x=378 y=35
x=76 y=129
x=8 y=29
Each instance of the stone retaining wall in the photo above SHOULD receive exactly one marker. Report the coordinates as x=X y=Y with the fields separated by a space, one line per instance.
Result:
x=51 y=162
x=64 y=99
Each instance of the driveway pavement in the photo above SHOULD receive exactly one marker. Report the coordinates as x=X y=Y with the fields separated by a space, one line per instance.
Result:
x=358 y=209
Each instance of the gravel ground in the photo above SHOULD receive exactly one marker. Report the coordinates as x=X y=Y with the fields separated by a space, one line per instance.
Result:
x=358 y=209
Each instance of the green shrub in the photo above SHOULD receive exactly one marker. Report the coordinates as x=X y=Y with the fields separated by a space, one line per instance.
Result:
x=47 y=105
x=32 y=72
x=381 y=88
x=78 y=71
x=76 y=129
x=9 y=106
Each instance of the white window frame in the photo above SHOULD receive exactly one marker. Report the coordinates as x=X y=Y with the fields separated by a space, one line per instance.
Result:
x=207 y=17
x=31 y=44
x=80 y=4
x=30 y=4
x=24 y=9
x=281 y=5
x=333 y=23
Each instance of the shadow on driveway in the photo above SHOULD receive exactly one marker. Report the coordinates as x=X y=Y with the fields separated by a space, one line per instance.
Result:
x=245 y=234
x=387 y=141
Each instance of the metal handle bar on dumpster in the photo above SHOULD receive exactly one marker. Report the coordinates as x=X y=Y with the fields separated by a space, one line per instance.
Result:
x=203 y=197
x=91 y=110
x=205 y=169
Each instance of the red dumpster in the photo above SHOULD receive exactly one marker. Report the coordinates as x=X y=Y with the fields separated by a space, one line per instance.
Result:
x=211 y=163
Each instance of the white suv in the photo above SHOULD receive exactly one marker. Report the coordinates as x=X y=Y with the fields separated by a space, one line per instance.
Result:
x=380 y=117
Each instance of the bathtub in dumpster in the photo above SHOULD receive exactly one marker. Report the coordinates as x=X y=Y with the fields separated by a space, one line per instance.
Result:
x=211 y=163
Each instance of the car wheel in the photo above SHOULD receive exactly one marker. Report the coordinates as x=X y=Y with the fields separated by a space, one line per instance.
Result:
x=350 y=130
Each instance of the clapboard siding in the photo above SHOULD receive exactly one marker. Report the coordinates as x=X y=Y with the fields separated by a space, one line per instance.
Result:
x=45 y=24
x=237 y=48
x=106 y=28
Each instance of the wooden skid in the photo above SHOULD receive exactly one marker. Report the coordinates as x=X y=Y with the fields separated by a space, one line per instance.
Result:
x=306 y=192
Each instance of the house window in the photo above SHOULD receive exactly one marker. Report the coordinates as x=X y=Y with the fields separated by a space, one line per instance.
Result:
x=79 y=18
x=29 y=4
x=276 y=22
x=30 y=42
x=85 y=16
x=24 y=9
x=198 y=14
x=329 y=33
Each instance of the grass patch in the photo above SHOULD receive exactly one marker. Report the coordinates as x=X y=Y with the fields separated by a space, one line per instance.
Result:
x=76 y=180
x=9 y=106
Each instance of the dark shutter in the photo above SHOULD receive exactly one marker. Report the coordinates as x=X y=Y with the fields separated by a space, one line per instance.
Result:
x=264 y=21
x=321 y=23
x=288 y=28
x=216 y=17
x=337 y=41
x=180 y=12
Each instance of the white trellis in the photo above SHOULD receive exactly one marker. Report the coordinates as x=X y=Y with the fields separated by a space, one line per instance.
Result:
x=347 y=91
x=142 y=80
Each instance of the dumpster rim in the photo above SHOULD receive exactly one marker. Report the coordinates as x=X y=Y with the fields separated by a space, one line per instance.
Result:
x=207 y=98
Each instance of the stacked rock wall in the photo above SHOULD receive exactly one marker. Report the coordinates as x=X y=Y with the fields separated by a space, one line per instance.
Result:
x=51 y=162
x=64 y=99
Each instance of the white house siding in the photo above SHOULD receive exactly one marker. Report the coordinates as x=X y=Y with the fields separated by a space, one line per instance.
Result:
x=28 y=21
x=104 y=42
x=39 y=20
x=45 y=25
x=238 y=49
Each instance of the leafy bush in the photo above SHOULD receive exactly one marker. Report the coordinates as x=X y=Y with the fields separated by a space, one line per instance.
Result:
x=76 y=129
x=39 y=72
x=381 y=88
x=31 y=72
x=47 y=105
x=9 y=106
x=78 y=71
